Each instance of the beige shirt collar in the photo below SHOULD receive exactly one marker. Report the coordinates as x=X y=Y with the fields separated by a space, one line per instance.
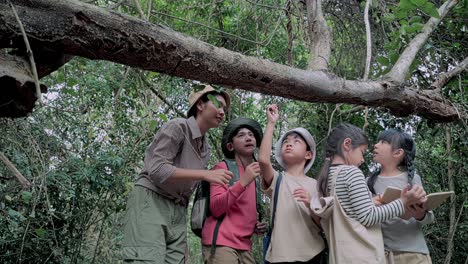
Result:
x=194 y=128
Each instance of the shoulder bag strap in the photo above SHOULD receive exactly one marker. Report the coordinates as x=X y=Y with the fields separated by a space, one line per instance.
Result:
x=275 y=199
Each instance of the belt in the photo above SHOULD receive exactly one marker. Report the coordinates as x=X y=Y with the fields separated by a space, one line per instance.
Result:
x=177 y=201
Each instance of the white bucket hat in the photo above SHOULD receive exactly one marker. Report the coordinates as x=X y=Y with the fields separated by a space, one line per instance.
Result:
x=309 y=139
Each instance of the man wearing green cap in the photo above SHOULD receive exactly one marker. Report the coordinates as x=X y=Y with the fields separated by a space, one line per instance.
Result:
x=175 y=161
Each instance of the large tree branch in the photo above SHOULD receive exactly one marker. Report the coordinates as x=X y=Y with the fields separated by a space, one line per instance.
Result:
x=84 y=30
x=24 y=182
x=445 y=77
x=401 y=67
x=319 y=35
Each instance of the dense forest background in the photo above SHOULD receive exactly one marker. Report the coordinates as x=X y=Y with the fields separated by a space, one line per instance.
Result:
x=83 y=150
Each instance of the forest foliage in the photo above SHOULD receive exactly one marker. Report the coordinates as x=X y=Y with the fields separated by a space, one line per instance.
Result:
x=83 y=150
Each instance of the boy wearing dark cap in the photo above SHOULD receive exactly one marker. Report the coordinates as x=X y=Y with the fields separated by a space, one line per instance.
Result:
x=295 y=237
x=175 y=161
x=235 y=205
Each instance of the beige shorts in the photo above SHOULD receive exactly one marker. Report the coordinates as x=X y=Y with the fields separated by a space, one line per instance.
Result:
x=225 y=255
x=400 y=257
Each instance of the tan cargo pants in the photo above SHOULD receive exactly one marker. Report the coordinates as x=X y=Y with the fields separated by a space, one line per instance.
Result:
x=155 y=229
x=224 y=255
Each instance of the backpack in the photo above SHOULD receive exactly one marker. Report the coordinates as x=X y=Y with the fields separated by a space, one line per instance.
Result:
x=201 y=204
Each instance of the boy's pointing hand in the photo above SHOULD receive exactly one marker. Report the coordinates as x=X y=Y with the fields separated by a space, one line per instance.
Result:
x=272 y=113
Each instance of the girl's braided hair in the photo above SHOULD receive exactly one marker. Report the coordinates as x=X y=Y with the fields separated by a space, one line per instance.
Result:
x=333 y=147
x=397 y=139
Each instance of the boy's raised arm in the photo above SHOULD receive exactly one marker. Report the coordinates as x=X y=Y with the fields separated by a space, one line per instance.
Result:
x=264 y=160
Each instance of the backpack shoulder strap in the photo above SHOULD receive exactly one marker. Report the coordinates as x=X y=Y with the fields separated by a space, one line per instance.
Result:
x=232 y=167
x=275 y=199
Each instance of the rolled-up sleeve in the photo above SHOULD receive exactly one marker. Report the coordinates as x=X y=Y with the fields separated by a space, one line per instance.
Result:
x=270 y=189
x=223 y=196
x=160 y=155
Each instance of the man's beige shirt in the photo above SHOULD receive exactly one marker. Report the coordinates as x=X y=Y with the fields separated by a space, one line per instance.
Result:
x=178 y=144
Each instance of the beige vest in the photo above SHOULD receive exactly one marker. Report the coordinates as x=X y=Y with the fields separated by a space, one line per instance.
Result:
x=349 y=241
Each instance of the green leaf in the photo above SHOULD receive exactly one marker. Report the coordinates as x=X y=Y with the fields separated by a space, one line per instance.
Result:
x=214 y=100
x=26 y=196
x=415 y=19
x=163 y=117
x=401 y=14
x=383 y=61
x=8 y=198
x=197 y=88
x=392 y=45
x=40 y=232
x=393 y=56
x=388 y=17
x=403 y=30
x=72 y=82
x=417 y=26
x=153 y=124
x=13 y=213
x=429 y=9
x=406 y=5
x=69 y=91
x=418 y=2
x=403 y=22
x=151 y=75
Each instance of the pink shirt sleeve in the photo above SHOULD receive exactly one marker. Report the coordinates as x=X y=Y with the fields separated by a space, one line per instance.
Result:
x=223 y=196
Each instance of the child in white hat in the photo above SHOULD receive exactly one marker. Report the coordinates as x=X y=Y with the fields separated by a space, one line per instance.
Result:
x=295 y=235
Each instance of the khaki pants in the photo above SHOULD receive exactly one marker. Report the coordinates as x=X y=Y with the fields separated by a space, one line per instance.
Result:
x=154 y=229
x=399 y=257
x=227 y=255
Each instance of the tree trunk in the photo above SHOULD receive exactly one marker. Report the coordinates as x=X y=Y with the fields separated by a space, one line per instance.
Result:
x=79 y=29
x=319 y=35
x=453 y=204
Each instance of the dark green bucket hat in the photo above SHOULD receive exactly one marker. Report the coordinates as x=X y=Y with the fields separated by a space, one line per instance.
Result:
x=236 y=124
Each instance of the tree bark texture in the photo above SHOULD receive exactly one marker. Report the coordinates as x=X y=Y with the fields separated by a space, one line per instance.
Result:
x=72 y=28
x=319 y=35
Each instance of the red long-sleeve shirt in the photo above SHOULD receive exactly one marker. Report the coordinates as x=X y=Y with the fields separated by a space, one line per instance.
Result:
x=239 y=205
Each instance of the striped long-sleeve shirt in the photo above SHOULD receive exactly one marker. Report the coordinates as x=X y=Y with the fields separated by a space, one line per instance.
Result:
x=355 y=198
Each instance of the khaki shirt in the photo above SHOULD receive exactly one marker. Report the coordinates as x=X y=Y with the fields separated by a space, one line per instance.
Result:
x=178 y=144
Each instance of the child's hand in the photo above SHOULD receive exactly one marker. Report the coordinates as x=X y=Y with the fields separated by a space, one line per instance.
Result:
x=302 y=196
x=377 y=200
x=272 y=113
x=251 y=172
x=414 y=196
x=418 y=211
x=260 y=228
